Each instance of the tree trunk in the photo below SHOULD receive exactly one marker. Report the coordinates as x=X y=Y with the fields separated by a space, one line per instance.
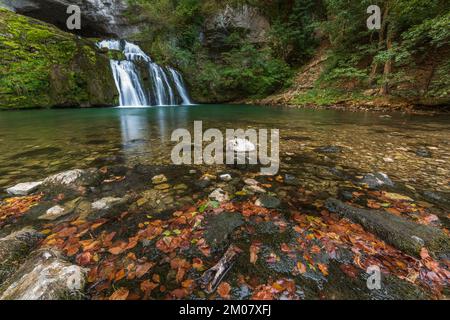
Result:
x=387 y=67
x=381 y=43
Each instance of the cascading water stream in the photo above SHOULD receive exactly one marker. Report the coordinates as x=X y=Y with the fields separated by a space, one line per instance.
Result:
x=165 y=87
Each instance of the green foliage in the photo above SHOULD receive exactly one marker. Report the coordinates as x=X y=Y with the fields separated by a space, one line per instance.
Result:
x=248 y=71
x=293 y=38
x=328 y=97
x=233 y=68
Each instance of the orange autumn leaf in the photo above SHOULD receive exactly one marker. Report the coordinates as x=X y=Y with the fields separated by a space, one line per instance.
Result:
x=285 y=248
x=224 y=290
x=72 y=250
x=156 y=278
x=66 y=232
x=84 y=259
x=315 y=249
x=301 y=267
x=424 y=253
x=120 y=275
x=187 y=283
x=254 y=249
x=323 y=268
x=142 y=269
x=120 y=294
x=118 y=248
x=148 y=286
x=197 y=264
x=179 y=293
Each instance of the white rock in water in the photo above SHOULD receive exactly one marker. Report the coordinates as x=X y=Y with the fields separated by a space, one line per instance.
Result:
x=106 y=203
x=219 y=195
x=53 y=213
x=251 y=182
x=240 y=145
x=45 y=276
x=23 y=189
x=65 y=178
x=225 y=177
x=254 y=189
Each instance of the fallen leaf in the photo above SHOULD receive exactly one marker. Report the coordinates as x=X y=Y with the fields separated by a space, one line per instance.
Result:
x=120 y=275
x=224 y=290
x=120 y=294
x=323 y=268
x=142 y=269
x=301 y=267
x=148 y=286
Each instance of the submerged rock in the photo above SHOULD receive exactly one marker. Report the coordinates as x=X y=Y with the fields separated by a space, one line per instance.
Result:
x=23 y=189
x=45 y=276
x=400 y=232
x=240 y=145
x=376 y=180
x=268 y=202
x=424 y=153
x=329 y=149
x=53 y=213
x=251 y=182
x=13 y=250
x=65 y=178
x=254 y=189
x=291 y=180
x=225 y=177
x=106 y=203
x=220 y=227
x=219 y=195
x=72 y=180
x=159 y=179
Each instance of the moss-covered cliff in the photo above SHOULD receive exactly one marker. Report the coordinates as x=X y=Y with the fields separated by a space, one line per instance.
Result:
x=42 y=66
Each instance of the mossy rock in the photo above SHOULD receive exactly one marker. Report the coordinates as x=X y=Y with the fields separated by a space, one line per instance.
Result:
x=42 y=66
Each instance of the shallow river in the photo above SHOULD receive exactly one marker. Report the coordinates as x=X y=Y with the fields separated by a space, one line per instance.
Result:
x=414 y=149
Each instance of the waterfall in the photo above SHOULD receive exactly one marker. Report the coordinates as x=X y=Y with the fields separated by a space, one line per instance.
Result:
x=165 y=87
x=179 y=83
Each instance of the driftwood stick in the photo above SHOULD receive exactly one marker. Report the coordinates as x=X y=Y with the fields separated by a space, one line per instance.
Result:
x=211 y=279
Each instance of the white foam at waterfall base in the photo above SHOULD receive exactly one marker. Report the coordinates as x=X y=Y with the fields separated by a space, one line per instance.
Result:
x=166 y=84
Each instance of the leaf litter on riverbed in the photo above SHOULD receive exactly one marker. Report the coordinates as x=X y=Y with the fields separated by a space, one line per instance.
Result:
x=122 y=267
x=13 y=208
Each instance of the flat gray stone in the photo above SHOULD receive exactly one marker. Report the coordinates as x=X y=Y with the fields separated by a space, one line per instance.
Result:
x=23 y=189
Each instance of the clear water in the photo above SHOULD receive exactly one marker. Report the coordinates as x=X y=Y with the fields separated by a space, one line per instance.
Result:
x=36 y=143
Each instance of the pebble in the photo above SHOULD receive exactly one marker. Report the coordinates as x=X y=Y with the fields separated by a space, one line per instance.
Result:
x=226 y=177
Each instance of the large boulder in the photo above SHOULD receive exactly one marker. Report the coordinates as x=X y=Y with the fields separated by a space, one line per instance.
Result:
x=45 y=276
x=14 y=248
x=42 y=66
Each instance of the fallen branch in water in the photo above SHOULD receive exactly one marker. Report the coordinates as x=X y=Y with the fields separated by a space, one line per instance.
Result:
x=211 y=279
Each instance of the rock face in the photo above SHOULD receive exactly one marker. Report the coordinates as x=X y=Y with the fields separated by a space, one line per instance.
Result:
x=98 y=18
x=43 y=66
x=14 y=248
x=231 y=18
x=45 y=276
